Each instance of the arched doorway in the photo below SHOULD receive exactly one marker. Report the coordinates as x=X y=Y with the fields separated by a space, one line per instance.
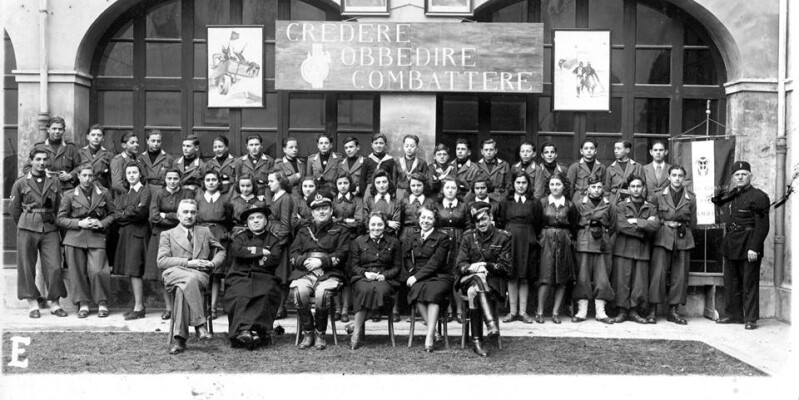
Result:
x=150 y=72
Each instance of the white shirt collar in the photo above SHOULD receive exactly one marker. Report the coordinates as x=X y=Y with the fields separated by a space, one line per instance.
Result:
x=426 y=235
x=348 y=196
x=557 y=202
x=414 y=197
x=450 y=204
x=136 y=187
x=385 y=196
x=520 y=197
x=211 y=197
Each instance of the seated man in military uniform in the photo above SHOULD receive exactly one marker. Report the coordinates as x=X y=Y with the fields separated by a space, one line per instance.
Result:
x=482 y=266
x=317 y=254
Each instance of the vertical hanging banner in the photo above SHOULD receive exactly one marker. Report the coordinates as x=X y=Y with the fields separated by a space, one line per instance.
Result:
x=409 y=57
x=707 y=162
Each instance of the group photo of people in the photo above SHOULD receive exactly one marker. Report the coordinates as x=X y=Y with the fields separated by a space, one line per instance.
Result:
x=352 y=238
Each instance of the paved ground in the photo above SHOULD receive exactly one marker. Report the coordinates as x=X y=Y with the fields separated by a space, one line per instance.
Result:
x=767 y=348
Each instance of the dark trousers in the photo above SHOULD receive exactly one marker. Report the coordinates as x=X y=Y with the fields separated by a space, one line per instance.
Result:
x=663 y=261
x=592 y=278
x=29 y=246
x=742 y=288
x=630 y=282
x=89 y=274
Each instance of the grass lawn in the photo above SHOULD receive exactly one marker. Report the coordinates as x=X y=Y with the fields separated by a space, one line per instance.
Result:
x=146 y=353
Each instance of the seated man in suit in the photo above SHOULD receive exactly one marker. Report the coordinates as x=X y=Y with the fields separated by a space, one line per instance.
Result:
x=187 y=253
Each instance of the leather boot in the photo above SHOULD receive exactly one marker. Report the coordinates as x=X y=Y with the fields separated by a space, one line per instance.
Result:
x=307 y=325
x=621 y=316
x=651 y=318
x=674 y=316
x=491 y=324
x=634 y=316
x=320 y=319
x=476 y=320
x=307 y=339
x=321 y=340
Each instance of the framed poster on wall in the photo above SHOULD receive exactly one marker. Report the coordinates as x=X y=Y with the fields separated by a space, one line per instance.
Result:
x=364 y=7
x=581 y=70
x=461 y=8
x=235 y=57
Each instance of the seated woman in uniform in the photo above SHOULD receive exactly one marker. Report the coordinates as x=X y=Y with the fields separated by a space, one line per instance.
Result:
x=375 y=264
x=429 y=274
x=252 y=291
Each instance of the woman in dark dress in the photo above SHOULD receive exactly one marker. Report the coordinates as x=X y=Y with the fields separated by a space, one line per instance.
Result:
x=453 y=219
x=163 y=217
x=517 y=216
x=375 y=264
x=215 y=212
x=132 y=211
x=429 y=275
x=252 y=291
x=223 y=163
x=557 y=267
x=281 y=222
x=347 y=210
x=244 y=198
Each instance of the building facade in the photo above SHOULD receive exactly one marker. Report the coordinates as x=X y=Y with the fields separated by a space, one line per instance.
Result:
x=135 y=65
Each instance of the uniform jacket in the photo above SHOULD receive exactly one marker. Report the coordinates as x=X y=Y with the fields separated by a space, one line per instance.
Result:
x=174 y=249
x=354 y=172
x=368 y=255
x=371 y=164
x=499 y=174
x=748 y=210
x=101 y=164
x=653 y=184
x=161 y=201
x=617 y=179
x=634 y=240
x=29 y=204
x=349 y=207
x=408 y=211
x=427 y=259
x=578 y=174
x=466 y=173
x=284 y=165
x=605 y=214
x=494 y=248
x=684 y=212
x=393 y=211
x=75 y=207
x=404 y=171
x=329 y=173
x=133 y=208
x=66 y=159
x=192 y=173
x=118 y=172
x=155 y=172
x=260 y=171
x=330 y=238
x=227 y=171
x=541 y=187
x=435 y=173
x=493 y=200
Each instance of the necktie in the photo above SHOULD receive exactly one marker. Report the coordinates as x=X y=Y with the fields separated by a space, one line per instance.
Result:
x=415 y=201
x=191 y=242
x=658 y=171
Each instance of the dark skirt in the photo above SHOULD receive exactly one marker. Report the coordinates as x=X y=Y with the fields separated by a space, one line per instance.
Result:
x=131 y=253
x=558 y=265
x=524 y=263
x=151 y=271
x=251 y=303
x=372 y=295
x=434 y=290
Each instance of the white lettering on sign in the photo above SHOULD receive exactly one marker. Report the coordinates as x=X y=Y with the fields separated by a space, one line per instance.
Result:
x=17 y=351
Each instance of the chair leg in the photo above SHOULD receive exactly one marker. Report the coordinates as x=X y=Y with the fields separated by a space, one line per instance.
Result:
x=391 y=329
x=413 y=325
x=292 y=294
x=209 y=324
x=171 y=325
x=330 y=311
x=499 y=333
x=465 y=329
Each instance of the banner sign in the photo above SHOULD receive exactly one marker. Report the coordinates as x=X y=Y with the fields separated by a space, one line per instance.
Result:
x=708 y=163
x=409 y=57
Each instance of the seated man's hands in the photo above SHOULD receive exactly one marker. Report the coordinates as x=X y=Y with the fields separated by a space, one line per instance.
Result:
x=477 y=267
x=312 y=263
x=201 y=264
x=411 y=280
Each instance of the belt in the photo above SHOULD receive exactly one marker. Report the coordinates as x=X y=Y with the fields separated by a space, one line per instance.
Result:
x=40 y=210
x=740 y=228
x=316 y=254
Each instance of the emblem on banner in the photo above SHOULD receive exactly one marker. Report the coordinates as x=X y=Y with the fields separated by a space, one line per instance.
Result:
x=316 y=66
x=702 y=166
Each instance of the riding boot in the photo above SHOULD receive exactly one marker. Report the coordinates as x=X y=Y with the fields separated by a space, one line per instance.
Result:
x=491 y=324
x=307 y=324
x=476 y=320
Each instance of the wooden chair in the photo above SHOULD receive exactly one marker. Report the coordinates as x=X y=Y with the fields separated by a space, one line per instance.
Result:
x=331 y=307
x=441 y=322
x=209 y=323
x=467 y=320
x=390 y=326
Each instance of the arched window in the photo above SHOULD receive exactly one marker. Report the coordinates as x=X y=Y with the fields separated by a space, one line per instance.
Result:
x=10 y=96
x=664 y=69
x=150 y=72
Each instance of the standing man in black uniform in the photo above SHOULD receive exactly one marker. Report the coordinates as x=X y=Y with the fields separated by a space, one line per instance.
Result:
x=63 y=156
x=746 y=218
